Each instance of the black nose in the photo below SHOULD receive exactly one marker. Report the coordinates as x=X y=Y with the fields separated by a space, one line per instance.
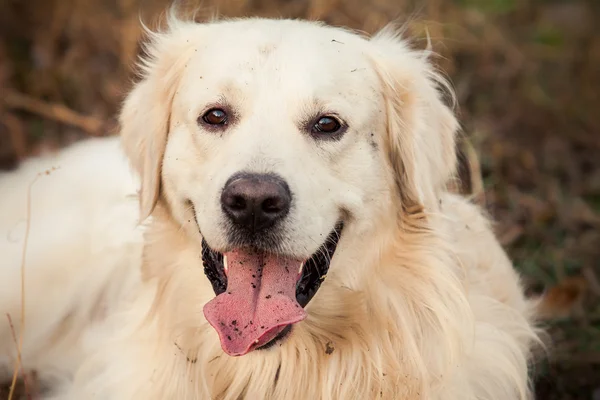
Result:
x=255 y=201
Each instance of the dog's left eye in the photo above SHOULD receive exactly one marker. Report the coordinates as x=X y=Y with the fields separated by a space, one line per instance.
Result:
x=215 y=116
x=326 y=124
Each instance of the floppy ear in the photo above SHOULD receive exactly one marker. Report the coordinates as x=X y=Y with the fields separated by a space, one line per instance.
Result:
x=421 y=129
x=145 y=116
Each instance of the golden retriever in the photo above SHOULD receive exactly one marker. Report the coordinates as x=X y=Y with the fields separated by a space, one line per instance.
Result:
x=298 y=237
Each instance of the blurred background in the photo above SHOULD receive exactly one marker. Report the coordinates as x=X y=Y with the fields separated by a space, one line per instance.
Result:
x=527 y=77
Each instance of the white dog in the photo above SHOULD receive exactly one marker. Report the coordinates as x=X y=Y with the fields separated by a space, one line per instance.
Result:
x=299 y=240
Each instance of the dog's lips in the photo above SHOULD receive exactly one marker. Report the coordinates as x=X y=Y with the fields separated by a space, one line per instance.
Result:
x=259 y=302
x=260 y=294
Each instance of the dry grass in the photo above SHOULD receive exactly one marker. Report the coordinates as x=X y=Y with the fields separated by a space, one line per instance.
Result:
x=26 y=386
x=527 y=81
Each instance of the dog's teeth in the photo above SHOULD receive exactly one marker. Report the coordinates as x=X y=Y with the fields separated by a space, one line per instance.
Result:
x=300 y=269
x=225 y=267
x=256 y=341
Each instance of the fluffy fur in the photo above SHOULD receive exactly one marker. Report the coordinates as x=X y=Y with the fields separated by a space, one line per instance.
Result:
x=420 y=302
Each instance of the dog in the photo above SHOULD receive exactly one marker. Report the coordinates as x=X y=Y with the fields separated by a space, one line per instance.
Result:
x=274 y=222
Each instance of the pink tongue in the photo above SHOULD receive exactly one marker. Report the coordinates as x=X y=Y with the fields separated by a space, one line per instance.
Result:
x=260 y=301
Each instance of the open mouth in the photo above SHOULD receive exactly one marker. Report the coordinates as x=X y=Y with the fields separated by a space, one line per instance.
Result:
x=259 y=294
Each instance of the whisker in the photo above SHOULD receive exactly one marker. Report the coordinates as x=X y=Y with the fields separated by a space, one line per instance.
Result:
x=181 y=226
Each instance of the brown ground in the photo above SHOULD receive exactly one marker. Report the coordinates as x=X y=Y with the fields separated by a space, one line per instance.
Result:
x=527 y=75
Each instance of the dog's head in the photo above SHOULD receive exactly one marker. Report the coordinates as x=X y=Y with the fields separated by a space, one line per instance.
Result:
x=269 y=141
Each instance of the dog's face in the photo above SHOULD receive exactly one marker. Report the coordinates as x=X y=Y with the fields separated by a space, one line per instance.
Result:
x=274 y=137
x=268 y=140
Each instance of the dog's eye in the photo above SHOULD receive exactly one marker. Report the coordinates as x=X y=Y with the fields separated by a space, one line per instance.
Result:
x=215 y=116
x=326 y=124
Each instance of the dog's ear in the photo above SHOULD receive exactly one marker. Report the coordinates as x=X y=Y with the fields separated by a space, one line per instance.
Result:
x=421 y=129
x=145 y=117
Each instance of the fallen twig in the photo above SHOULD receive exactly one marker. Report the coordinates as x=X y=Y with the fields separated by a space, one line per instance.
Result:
x=16 y=133
x=56 y=112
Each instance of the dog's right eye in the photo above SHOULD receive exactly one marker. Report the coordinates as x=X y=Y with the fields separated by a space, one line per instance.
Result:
x=327 y=127
x=326 y=124
x=215 y=116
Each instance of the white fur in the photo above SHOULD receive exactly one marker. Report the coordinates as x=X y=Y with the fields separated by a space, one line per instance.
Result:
x=82 y=251
x=420 y=301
